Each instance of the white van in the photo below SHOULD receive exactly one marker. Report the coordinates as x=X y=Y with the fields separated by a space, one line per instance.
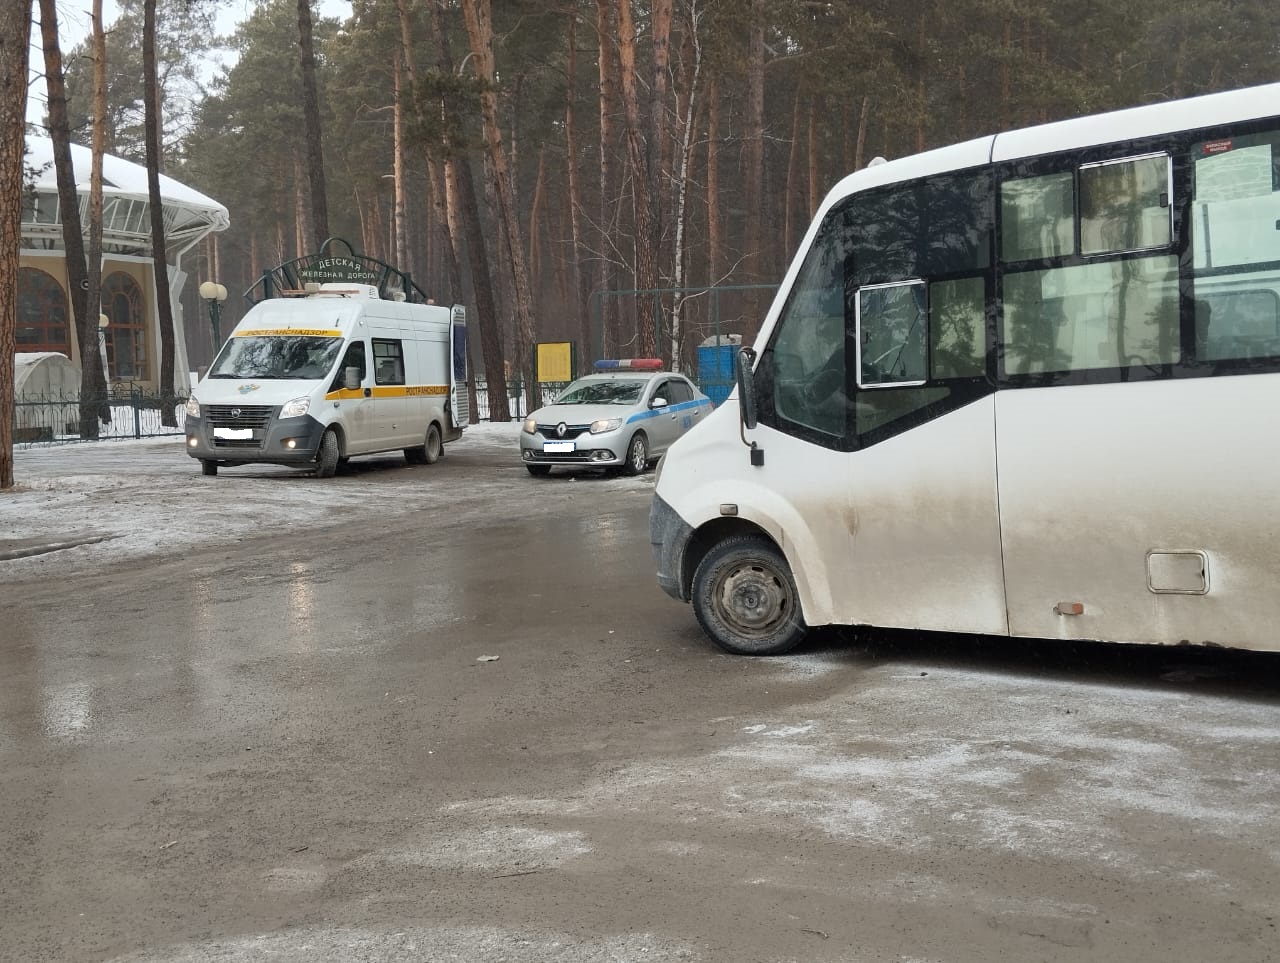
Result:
x=319 y=376
x=1021 y=386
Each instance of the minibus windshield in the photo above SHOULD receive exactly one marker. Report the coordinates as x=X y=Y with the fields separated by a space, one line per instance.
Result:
x=276 y=356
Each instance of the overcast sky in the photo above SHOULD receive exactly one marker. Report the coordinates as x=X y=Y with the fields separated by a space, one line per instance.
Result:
x=73 y=26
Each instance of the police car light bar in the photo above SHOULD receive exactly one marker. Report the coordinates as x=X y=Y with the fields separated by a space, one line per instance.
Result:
x=635 y=364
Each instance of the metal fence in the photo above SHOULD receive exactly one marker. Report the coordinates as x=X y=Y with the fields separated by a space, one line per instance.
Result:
x=54 y=419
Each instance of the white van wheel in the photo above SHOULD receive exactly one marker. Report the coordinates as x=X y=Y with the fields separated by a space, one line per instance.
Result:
x=208 y=466
x=745 y=598
x=328 y=456
x=434 y=447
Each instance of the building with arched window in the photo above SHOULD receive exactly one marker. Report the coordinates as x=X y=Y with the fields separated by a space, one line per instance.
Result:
x=129 y=285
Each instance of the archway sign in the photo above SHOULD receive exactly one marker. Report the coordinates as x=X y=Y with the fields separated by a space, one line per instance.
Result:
x=331 y=265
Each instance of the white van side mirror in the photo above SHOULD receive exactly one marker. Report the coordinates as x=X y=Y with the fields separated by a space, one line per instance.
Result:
x=351 y=378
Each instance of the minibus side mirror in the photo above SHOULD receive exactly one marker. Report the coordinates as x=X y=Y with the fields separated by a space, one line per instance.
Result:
x=351 y=378
x=746 y=357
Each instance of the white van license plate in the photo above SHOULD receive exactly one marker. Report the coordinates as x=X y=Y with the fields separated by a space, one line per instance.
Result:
x=234 y=434
x=554 y=446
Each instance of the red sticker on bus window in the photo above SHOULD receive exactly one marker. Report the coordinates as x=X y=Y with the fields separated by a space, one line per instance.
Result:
x=1216 y=146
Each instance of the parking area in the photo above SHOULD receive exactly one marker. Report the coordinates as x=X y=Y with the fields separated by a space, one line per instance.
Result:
x=443 y=712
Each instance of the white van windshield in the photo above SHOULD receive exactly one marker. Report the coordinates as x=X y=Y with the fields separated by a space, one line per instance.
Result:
x=276 y=356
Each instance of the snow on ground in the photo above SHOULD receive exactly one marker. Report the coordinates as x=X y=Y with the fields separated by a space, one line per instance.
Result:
x=132 y=498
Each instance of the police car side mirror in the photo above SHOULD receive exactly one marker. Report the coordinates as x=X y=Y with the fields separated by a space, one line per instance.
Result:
x=658 y=402
x=351 y=378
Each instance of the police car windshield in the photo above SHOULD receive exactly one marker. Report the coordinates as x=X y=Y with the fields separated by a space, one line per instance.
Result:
x=615 y=391
x=276 y=356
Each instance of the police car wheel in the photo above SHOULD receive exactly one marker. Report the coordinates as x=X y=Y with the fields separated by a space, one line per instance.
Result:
x=539 y=471
x=637 y=455
x=745 y=598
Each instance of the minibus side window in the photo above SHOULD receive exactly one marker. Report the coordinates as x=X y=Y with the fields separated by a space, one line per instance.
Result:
x=1236 y=246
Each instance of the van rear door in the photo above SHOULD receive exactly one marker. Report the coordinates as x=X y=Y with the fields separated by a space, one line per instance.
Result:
x=459 y=403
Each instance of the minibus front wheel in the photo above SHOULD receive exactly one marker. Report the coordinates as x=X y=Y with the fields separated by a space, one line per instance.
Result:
x=745 y=597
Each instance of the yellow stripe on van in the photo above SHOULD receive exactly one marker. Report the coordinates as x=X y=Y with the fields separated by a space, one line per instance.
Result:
x=389 y=391
x=304 y=332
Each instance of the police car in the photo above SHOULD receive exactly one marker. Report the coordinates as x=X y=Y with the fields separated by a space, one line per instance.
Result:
x=624 y=417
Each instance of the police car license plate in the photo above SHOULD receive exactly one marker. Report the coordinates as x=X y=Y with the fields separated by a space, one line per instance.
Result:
x=554 y=446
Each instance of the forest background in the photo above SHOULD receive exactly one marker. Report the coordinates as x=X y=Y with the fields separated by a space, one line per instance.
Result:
x=629 y=175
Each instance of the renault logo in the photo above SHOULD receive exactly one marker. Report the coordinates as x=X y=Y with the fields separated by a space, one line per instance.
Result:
x=560 y=429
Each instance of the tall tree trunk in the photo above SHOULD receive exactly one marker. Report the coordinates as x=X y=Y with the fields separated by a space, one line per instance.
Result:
x=480 y=31
x=715 y=230
x=606 y=33
x=682 y=189
x=311 y=122
x=642 y=185
x=461 y=191
x=159 y=255
x=400 y=213
x=15 y=44
x=753 y=162
x=99 y=387
x=72 y=232
x=791 y=192
x=581 y=278
x=815 y=177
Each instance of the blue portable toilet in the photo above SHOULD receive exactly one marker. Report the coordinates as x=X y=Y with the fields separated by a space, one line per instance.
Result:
x=715 y=365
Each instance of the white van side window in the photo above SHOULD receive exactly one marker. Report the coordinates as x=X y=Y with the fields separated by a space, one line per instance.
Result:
x=388 y=361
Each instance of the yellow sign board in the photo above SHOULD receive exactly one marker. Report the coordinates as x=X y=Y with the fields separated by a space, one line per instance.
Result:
x=554 y=361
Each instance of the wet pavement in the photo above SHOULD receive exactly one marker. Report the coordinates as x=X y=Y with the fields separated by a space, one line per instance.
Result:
x=444 y=713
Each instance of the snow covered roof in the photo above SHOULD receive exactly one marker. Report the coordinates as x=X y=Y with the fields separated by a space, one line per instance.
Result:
x=189 y=215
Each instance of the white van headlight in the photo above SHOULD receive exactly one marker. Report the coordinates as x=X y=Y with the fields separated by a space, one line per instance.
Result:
x=295 y=408
x=602 y=425
x=193 y=407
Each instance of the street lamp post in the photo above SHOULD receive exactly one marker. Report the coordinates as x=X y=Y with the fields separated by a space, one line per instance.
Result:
x=215 y=294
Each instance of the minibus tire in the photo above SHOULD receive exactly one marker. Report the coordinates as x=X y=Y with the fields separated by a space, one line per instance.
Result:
x=637 y=455
x=328 y=456
x=208 y=466
x=745 y=597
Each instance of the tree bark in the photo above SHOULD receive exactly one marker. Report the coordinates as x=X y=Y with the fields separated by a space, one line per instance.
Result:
x=753 y=162
x=159 y=254
x=99 y=385
x=606 y=33
x=311 y=121
x=480 y=31
x=643 y=201
x=86 y=332
x=581 y=280
x=715 y=232
x=462 y=198
x=15 y=37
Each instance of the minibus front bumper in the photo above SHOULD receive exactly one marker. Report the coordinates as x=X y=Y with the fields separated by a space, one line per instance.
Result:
x=670 y=535
x=288 y=441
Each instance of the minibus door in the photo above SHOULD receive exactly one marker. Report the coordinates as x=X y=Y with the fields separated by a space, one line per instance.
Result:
x=354 y=409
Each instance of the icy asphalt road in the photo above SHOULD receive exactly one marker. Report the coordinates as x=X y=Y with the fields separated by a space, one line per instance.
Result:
x=261 y=718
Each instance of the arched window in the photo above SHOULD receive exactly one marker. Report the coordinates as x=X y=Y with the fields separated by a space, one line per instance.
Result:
x=43 y=314
x=127 y=332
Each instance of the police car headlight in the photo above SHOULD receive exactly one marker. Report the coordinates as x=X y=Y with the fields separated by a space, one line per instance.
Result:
x=295 y=408
x=529 y=426
x=193 y=408
x=601 y=425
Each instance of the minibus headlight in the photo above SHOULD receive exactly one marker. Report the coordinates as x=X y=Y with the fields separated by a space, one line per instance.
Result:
x=529 y=426
x=295 y=408
x=193 y=408
x=602 y=425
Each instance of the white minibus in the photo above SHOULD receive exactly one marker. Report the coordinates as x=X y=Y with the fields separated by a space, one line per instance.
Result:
x=1026 y=385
